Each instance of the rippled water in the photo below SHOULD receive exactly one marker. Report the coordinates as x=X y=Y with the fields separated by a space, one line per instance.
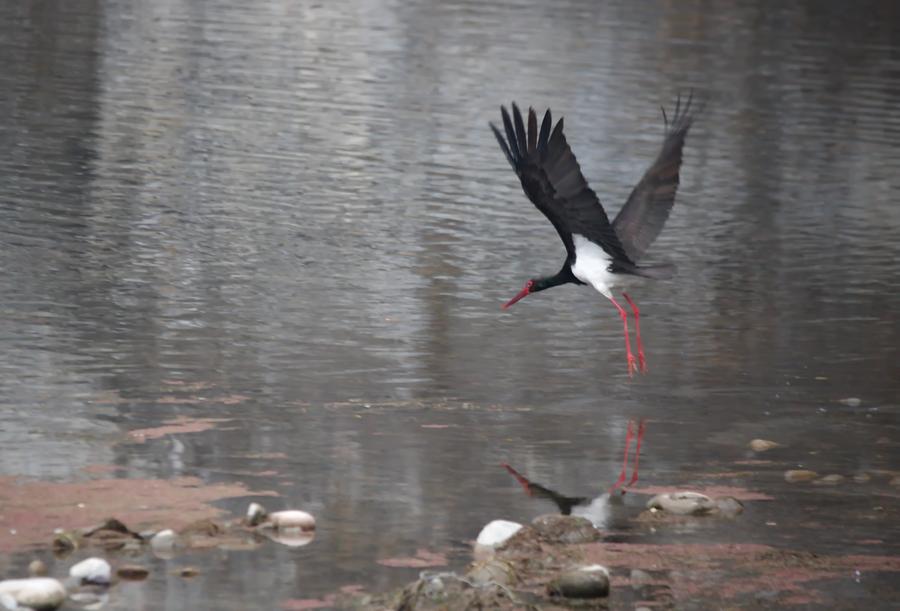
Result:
x=293 y=215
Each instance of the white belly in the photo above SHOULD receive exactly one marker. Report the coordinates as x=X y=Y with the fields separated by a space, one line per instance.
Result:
x=592 y=265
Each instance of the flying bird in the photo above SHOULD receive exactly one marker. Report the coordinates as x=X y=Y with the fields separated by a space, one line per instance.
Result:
x=598 y=253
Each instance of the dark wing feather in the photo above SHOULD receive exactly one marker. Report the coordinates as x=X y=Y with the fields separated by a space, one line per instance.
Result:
x=647 y=209
x=552 y=180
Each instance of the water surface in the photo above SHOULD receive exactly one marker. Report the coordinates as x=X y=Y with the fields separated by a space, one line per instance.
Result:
x=292 y=215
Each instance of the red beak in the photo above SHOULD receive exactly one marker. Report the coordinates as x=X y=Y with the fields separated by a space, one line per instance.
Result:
x=523 y=293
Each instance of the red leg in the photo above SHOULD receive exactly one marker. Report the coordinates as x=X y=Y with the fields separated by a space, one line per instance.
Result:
x=637 y=330
x=621 y=479
x=632 y=365
x=637 y=453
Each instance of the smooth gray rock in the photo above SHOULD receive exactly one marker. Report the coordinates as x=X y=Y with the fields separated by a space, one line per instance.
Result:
x=591 y=581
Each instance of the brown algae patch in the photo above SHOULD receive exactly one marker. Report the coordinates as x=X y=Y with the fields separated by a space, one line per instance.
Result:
x=33 y=509
x=179 y=425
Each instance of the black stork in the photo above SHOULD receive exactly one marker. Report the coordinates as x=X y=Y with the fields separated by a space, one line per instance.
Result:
x=598 y=253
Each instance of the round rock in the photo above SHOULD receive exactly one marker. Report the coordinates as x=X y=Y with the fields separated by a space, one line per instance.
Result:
x=39 y=593
x=497 y=532
x=291 y=518
x=37 y=568
x=793 y=476
x=590 y=581
x=830 y=480
x=761 y=445
x=683 y=503
x=91 y=570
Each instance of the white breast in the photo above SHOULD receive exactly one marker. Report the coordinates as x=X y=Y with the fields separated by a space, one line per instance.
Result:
x=592 y=265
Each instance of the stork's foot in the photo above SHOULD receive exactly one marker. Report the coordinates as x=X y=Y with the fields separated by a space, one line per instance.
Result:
x=632 y=365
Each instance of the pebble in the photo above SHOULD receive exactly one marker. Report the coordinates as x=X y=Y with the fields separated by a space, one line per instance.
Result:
x=37 y=568
x=683 y=503
x=164 y=539
x=91 y=570
x=830 y=480
x=799 y=475
x=590 y=581
x=188 y=572
x=163 y=543
x=133 y=572
x=761 y=445
x=256 y=513
x=851 y=401
x=497 y=533
x=39 y=593
x=862 y=478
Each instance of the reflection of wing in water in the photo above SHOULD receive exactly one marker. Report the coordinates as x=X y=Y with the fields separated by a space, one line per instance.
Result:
x=565 y=504
x=597 y=510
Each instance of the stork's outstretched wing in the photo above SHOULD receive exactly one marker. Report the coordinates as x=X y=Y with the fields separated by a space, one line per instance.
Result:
x=552 y=179
x=642 y=217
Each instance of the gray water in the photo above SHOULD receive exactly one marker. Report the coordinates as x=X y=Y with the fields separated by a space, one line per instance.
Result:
x=292 y=215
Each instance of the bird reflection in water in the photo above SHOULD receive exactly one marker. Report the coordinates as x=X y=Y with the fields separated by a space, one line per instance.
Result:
x=595 y=509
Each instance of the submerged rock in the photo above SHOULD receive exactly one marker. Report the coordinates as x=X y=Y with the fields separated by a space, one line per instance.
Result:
x=39 y=593
x=793 y=476
x=683 y=503
x=291 y=537
x=90 y=597
x=133 y=572
x=591 y=581
x=729 y=506
x=830 y=480
x=762 y=445
x=188 y=572
x=92 y=571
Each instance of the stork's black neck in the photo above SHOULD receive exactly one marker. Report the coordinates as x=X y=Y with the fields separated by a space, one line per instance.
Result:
x=564 y=276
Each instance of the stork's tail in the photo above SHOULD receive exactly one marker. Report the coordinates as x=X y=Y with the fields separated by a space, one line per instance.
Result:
x=660 y=271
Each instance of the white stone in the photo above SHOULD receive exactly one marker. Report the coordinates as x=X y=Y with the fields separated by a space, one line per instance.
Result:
x=39 y=593
x=291 y=518
x=8 y=602
x=256 y=513
x=497 y=532
x=163 y=541
x=682 y=503
x=92 y=570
